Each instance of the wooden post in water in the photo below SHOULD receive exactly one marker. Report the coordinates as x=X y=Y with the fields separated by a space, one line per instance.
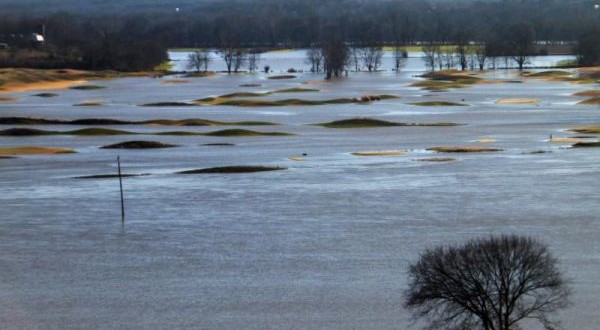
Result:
x=121 y=186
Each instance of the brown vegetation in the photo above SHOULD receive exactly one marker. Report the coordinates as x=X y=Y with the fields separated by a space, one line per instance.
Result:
x=31 y=150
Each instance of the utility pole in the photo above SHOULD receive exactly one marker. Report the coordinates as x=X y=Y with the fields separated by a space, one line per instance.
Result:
x=121 y=186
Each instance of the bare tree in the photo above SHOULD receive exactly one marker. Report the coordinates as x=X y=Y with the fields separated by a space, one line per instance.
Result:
x=490 y=284
x=371 y=57
x=335 y=53
x=355 y=56
x=314 y=57
x=431 y=51
x=230 y=47
x=239 y=58
x=198 y=60
x=481 y=55
x=448 y=56
x=400 y=56
x=462 y=54
x=253 y=59
x=520 y=43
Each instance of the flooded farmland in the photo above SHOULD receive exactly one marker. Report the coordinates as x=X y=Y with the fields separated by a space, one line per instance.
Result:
x=324 y=241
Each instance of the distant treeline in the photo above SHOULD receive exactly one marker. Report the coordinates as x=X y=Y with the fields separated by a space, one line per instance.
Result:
x=137 y=38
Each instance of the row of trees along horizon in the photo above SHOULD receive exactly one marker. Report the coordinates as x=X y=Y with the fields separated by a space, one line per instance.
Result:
x=336 y=32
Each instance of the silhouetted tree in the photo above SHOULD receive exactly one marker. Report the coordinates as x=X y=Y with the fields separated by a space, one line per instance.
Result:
x=490 y=284
x=371 y=57
x=335 y=54
x=314 y=57
x=520 y=37
x=198 y=60
x=253 y=59
x=431 y=51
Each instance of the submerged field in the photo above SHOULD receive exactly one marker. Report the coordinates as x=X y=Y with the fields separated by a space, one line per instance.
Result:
x=237 y=226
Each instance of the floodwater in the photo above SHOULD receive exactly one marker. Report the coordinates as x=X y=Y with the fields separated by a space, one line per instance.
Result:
x=323 y=245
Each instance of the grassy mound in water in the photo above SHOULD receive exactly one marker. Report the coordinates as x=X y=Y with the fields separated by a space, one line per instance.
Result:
x=435 y=160
x=296 y=90
x=233 y=170
x=30 y=150
x=548 y=74
x=240 y=94
x=359 y=123
x=589 y=93
x=109 y=176
x=81 y=132
x=87 y=87
x=105 y=121
x=373 y=123
x=221 y=144
x=174 y=82
x=592 y=101
x=586 y=145
x=202 y=122
x=89 y=103
x=562 y=76
x=244 y=132
x=168 y=104
x=380 y=153
x=463 y=149
x=438 y=85
x=98 y=132
x=8 y=99
x=517 y=101
x=439 y=104
x=139 y=145
x=45 y=95
x=280 y=77
x=200 y=74
x=446 y=79
x=28 y=121
x=24 y=132
x=250 y=85
x=592 y=129
x=288 y=102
